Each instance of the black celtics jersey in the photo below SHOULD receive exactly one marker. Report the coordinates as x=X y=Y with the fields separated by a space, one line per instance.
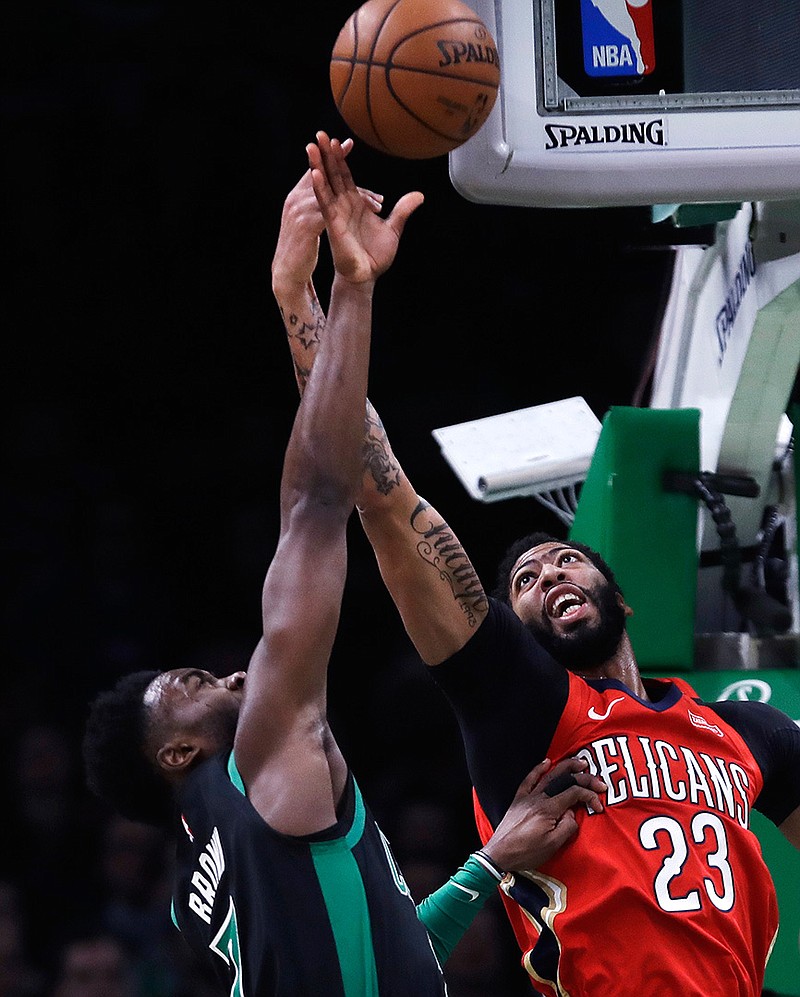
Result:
x=270 y=914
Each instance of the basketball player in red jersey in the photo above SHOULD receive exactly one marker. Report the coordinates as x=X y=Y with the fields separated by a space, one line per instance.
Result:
x=663 y=893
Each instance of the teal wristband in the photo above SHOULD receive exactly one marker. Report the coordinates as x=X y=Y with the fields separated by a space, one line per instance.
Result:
x=449 y=911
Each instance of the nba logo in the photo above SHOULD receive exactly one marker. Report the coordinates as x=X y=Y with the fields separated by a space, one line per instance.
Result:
x=618 y=37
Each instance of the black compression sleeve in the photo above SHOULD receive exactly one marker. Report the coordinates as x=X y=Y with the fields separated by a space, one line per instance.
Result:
x=774 y=739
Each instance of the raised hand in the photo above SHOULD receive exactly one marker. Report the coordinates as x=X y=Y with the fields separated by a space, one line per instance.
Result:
x=363 y=245
x=297 y=248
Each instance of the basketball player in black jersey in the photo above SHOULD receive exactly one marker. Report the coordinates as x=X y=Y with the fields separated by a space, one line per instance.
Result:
x=285 y=885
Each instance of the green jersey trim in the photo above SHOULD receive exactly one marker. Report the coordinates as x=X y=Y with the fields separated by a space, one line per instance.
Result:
x=345 y=899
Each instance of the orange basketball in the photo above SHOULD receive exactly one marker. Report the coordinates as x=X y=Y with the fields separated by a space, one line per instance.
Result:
x=414 y=78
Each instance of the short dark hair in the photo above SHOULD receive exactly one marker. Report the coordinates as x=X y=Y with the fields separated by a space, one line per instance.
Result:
x=116 y=767
x=502 y=587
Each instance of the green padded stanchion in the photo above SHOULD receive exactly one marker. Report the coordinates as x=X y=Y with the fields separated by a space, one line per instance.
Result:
x=647 y=534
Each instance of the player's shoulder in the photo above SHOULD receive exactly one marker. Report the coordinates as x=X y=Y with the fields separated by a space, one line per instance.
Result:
x=740 y=711
x=766 y=729
x=752 y=711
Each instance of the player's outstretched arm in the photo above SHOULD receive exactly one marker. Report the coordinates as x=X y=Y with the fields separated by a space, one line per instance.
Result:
x=540 y=820
x=286 y=754
x=293 y=265
x=429 y=576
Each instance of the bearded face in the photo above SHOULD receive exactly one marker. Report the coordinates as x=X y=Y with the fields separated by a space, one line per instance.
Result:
x=589 y=643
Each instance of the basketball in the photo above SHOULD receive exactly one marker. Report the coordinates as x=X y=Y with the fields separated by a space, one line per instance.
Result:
x=414 y=78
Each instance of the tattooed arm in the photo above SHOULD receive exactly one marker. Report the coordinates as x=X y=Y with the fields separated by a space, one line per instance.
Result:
x=293 y=265
x=425 y=568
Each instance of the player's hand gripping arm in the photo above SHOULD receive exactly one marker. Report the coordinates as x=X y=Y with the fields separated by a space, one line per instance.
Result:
x=427 y=572
x=540 y=821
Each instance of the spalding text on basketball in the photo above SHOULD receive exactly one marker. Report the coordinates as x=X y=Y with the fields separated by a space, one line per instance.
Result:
x=454 y=52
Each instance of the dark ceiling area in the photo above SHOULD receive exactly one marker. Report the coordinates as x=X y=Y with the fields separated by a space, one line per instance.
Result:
x=148 y=147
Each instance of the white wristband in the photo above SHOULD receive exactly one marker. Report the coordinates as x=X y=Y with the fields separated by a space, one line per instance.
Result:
x=488 y=865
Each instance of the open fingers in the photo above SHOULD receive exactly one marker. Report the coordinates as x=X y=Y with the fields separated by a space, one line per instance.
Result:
x=333 y=160
x=371 y=199
x=315 y=167
x=320 y=180
x=403 y=210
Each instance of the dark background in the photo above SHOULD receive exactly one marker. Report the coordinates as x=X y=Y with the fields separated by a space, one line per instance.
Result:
x=146 y=151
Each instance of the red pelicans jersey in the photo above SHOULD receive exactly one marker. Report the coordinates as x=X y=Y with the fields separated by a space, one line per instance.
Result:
x=669 y=868
x=665 y=892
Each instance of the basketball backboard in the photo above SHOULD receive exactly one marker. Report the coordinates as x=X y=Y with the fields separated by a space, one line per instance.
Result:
x=526 y=452
x=638 y=102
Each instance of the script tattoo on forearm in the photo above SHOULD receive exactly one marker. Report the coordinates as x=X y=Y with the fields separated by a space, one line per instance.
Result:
x=377 y=455
x=440 y=548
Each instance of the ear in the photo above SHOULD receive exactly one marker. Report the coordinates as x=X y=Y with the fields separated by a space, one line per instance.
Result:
x=625 y=607
x=176 y=756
